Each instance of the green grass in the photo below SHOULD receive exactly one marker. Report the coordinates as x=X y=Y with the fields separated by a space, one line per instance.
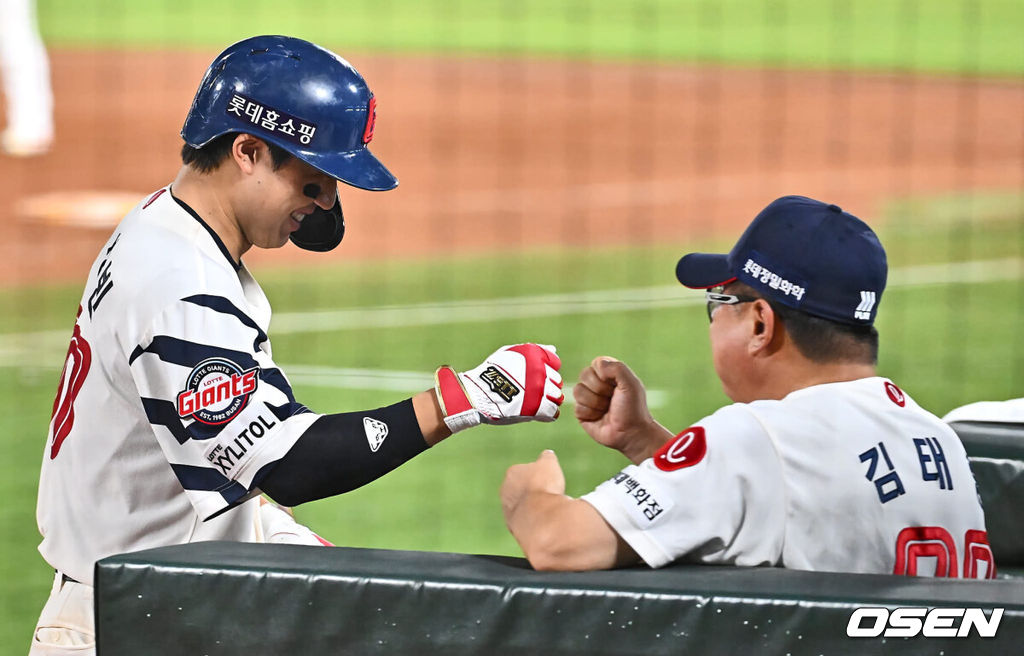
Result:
x=947 y=344
x=963 y=36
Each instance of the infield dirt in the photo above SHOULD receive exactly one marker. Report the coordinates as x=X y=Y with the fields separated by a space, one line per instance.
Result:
x=498 y=154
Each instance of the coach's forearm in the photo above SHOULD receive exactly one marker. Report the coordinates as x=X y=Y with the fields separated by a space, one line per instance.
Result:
x=560 y=533
x=646 y=441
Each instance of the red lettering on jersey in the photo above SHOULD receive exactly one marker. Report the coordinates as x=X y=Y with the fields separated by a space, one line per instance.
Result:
x=685 y=450
x=247 y=381
x=153 y=198
x=208 y=397
x=895 y=394
x=371 y=120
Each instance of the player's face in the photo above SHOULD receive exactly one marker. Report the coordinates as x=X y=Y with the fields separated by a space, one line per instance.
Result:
x=282 y=198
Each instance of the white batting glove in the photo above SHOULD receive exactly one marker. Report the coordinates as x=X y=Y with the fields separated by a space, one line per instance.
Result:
x=278 y=526
x=514 y=384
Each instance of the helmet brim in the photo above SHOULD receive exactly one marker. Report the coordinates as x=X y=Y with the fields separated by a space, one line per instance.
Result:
x=358 y=168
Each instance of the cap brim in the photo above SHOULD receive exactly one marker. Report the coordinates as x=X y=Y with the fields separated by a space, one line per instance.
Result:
x=704 y=270
x=358 y=168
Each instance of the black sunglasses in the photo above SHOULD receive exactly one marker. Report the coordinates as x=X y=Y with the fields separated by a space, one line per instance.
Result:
x=715 y=299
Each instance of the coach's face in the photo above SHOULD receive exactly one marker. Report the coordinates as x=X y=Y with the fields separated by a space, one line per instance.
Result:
x=277 y=200
x=727 y=347
x=733 y=335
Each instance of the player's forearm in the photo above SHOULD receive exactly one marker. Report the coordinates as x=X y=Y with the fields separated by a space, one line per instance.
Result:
x=430 y=417
x=557 y=532
x=341 y=452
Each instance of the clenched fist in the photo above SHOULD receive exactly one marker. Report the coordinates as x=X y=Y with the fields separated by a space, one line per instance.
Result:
x=611 y=406
x=514 y=384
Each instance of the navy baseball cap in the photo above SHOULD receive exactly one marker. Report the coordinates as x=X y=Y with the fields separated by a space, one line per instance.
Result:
x=804 y=254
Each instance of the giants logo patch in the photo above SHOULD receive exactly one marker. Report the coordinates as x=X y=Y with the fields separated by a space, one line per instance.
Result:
x=685 y=450
x=216 y=391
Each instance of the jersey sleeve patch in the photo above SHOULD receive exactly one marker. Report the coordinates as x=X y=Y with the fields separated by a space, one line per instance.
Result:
x=642 y=499
x=216 y=391
x=234 y=448
x=896 y=395
x=685 y=450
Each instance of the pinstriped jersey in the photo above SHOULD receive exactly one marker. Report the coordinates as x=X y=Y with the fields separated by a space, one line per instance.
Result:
x=849 y=477
x=169 y=408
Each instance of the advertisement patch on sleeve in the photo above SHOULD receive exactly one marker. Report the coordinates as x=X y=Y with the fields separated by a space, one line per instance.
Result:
x=233 y=449
x=895 y=394
x=684 y=450
x=644 y=501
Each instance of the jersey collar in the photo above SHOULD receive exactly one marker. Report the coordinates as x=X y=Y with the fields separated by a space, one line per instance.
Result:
x=216 y=238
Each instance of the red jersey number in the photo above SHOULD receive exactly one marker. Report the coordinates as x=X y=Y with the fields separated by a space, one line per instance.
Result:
x=76 y=368
x=936 y=545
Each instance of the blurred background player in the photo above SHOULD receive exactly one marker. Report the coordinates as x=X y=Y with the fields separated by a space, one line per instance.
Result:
x=171 y=417
x=819 y=464
x=26 y=77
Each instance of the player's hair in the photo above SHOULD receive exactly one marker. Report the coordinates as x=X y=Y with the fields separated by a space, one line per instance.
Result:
x=821 y=340
x=209 y=157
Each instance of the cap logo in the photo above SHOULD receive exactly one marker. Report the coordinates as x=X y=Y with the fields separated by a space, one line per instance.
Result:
x=765 y=276
x=371 y=120
x=270 y=120
x=867 y=301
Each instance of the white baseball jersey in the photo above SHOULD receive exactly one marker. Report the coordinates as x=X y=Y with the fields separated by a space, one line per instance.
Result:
x=26 y=75
x=847 y=477
x=169 y=405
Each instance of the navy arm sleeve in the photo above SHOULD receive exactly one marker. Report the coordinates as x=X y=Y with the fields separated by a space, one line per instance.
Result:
x=341 y=452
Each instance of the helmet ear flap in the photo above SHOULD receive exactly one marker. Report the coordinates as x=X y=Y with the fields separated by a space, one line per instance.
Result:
x=322 y=230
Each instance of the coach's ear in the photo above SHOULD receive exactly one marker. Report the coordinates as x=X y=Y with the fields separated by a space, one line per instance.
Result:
x=766 y=331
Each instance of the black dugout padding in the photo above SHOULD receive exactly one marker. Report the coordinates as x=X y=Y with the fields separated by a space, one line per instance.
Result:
x=996 y=453
x=219 y=599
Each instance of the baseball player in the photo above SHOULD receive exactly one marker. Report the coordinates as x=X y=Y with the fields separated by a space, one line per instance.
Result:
x=26 y=81
x=820 y=464
x=171 y=416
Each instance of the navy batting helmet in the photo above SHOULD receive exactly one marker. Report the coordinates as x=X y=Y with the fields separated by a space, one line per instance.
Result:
x=295 y=95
